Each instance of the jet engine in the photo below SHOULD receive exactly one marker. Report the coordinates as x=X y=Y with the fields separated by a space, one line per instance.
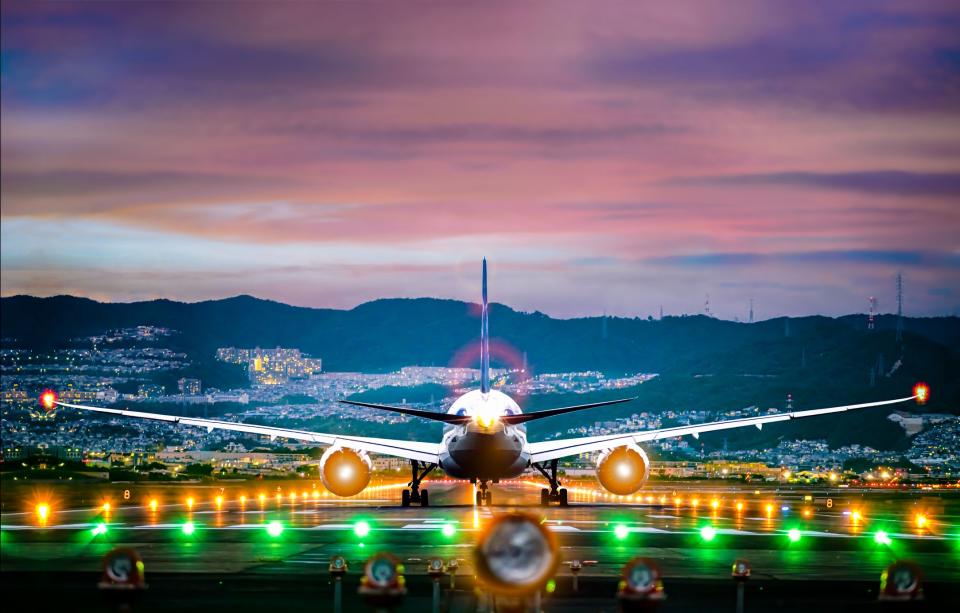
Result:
x=345 y=471
x=623 y=470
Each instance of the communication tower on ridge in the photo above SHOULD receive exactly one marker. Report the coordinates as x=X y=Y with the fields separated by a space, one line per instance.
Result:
x=871 y=318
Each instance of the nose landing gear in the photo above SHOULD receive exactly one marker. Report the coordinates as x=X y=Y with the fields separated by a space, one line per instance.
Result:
x=415 y=495
x=555 y=493
x=484 y=497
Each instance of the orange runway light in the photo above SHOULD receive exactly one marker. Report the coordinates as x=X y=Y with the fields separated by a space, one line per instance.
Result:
x=190 y=503
x=153 y=504
x=921 y=520
x=43 y=512
x=106 y=508
x=769 y=509
x=263 y=498
x=856 y=516
x=695 y=503
x=243 y=500
x=219 y=501
x=807 y=513
x=715 y=504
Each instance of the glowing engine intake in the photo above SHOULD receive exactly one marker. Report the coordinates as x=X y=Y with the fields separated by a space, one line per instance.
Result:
x=623 y=470
x=345 y=471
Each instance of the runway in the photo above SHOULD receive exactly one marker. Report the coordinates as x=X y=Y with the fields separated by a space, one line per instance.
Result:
x=229 y=538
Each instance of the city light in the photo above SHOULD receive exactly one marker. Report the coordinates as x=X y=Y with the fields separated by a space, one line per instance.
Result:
x=708 y=533
x=794 y=535
x=361 y=528
x=43 y=512
x=621 y=531
x=881 y=538
x=188 y=528
x=100 y=528
x=274 y=529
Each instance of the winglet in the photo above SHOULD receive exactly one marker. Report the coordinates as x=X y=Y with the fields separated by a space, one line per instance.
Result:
x=484 y=338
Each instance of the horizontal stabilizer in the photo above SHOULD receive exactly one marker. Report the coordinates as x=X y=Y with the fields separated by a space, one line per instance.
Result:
x=525 y=417
x=443 y=417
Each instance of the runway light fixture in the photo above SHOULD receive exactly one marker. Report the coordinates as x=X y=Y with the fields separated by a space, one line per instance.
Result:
x=715 y=504
x=880 y=537
x=739 y=507
x=274 y=529
x=188 y=528
x=361 y=528
x=219 y=501
x=105 y=507
x=99 y=529
x=448 y=530
x=43 y=512
x=708 y=533
x=794 y=535
x=621 y=531
x=190 y=503
x=921 y=520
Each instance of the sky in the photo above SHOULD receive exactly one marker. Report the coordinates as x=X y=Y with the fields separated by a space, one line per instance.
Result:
x=604 y=156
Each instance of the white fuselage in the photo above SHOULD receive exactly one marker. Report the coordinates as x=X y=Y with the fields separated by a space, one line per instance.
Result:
x=485 y=448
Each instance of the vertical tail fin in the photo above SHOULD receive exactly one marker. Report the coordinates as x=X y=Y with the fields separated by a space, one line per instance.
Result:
x=484 y=338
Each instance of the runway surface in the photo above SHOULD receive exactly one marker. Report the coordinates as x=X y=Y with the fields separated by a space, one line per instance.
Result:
x=835 y=539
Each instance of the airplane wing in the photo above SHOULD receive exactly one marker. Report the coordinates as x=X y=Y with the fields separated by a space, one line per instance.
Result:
x=411 y=450
x=551 y=450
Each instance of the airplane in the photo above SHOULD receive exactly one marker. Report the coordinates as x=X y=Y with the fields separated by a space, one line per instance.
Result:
x=484 y=440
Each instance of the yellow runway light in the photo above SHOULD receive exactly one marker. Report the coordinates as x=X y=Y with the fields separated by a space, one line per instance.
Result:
x=190 y=502
x=921 y=520
x=153 y=504
x=219 y=501
x=43 y=512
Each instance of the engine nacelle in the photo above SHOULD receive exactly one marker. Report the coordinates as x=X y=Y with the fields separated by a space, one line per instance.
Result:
x=345 y=471
x=623 y=470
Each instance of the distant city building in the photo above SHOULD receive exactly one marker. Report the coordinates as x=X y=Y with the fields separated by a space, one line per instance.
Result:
x=150 y=390
x=189 y=387
x=272 y=366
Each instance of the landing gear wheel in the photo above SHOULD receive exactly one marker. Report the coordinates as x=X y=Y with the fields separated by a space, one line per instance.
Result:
x=544 y=497
x=405 y=498
x=424 y=498
x=563 y=497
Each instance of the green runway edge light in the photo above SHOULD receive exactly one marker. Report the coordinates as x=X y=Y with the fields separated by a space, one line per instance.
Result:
x=361 y=529
x=881 y=537
x=708 y=533
x=448 y=530
x=794 y=535
x=100 y=528
x=188 y=528
x=274 y=529
x=621 y=531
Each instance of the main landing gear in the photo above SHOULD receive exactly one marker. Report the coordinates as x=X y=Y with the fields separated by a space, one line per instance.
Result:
x=415 y=495
x=484 y=497
x=555 y=493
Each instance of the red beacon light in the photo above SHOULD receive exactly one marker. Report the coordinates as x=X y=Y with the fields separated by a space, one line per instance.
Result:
x=48 y=399
x=922 y=392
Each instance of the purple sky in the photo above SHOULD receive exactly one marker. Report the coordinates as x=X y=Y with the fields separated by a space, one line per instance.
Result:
x=602 y=155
